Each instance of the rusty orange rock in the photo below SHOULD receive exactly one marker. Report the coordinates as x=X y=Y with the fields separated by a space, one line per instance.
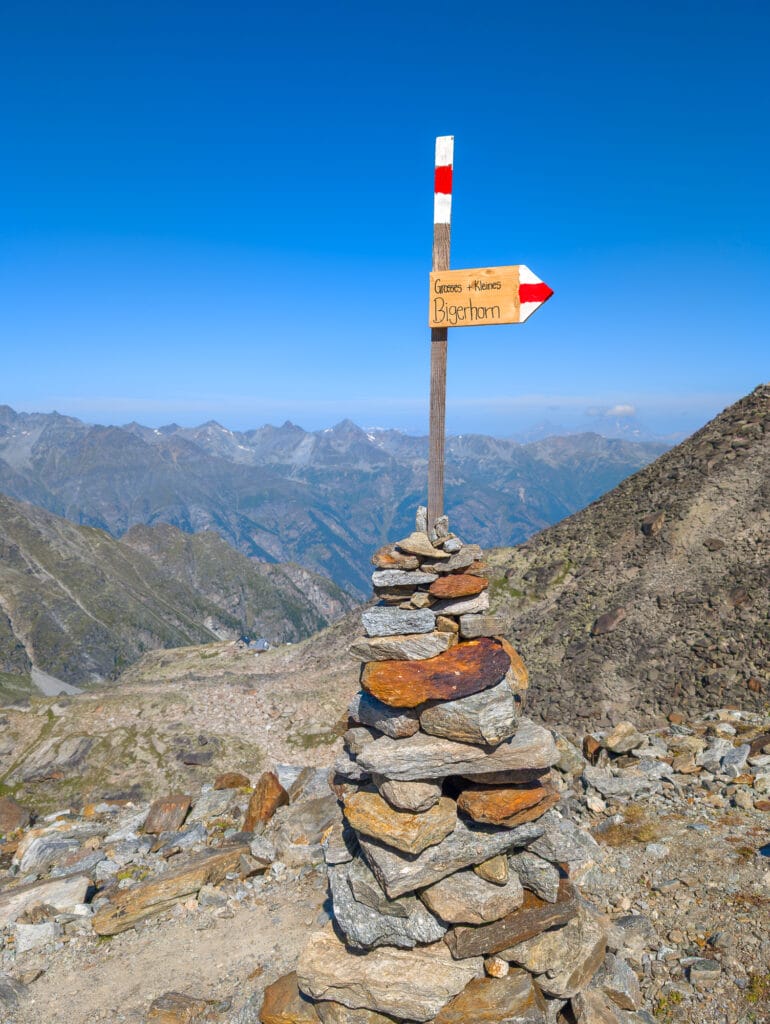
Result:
x=465 y=669
x=517 y=673
x=507 y=805
x=231 y=780
x=458 y=585
x=267 y=797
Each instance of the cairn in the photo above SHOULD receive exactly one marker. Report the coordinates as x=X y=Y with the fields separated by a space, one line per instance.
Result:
x=450 y=877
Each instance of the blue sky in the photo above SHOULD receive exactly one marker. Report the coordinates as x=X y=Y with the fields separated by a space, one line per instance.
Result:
x=224 y=211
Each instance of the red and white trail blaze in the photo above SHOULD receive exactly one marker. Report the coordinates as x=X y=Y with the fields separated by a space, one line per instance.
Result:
x=442 y=182
x=532 y=293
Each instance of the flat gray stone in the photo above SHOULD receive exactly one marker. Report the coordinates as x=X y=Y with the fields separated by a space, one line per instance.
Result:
x=463 y=605
x=465 y=898
x=369 y=919
x=737 y=757
x=411 y=647
x=469 y=844
x=348 y=768
x=383 y=621
x=629 y=785
x=488 y=717
x=419 y=544
x=473 y=626
x=33 y=936
x=394 y=722
x=623 y=738
x=538 y=875
x=564 y=959
x=616 y=979
x=462 y=559
x=10 y=991
x=429 y=757
x=409 y=984
x=409 y=796
x=356 y=739
x=402 y=578
x=62 y=894
x=562 y=842
x=44 y=851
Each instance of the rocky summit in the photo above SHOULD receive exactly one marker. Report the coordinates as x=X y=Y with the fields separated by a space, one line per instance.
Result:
x=655 y=598
x=454 y=879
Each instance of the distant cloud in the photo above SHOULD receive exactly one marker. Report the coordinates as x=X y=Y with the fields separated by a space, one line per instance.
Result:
x=622 y=410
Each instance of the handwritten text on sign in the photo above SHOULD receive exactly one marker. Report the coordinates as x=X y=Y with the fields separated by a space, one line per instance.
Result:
x=485 y=295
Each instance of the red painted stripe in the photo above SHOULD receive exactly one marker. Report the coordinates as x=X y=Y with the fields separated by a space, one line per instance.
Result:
x=534 y=292
x=443 y=180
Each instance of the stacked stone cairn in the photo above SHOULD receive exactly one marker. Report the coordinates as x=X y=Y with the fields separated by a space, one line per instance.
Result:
x=450 y=875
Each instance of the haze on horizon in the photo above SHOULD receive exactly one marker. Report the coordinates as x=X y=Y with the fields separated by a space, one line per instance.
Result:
x=226 y=213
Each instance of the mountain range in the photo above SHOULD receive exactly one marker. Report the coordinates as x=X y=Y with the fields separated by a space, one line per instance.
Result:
x=81 y=606
x=324 y=499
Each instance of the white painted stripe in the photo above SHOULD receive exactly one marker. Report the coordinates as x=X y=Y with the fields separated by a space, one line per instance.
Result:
x=527 y=277
x=526 y=309
x=445 y=147
x=442 y=208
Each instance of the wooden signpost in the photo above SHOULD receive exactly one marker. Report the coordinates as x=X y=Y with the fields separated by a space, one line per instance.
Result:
x=463 y=298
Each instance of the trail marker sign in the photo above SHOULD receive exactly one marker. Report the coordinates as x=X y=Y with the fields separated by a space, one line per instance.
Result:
x=463 y=298
x=486 y=295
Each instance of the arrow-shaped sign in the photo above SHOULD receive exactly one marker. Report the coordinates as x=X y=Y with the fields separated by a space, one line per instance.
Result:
x=485 y=295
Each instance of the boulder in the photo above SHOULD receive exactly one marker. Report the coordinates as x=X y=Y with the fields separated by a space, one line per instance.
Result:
x=409 y=984
x=460 y=671
x=469 y=844
x=429 y=757
x=369 y=814
x=465 y=898
x=412 y=647
x=488 y=717
x=267 y=797
x=283 y=1003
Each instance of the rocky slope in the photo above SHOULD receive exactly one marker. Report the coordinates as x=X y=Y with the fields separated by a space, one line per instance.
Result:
x=324 y=499
x=656 y=596
x=82 y=606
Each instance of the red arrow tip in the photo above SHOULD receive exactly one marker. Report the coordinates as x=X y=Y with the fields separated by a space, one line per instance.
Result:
x=539 y=292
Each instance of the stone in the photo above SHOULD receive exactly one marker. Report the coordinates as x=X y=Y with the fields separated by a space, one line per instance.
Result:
x=446 y=624
x=629 y=785
x=12 y=815
x=462 y=559
x=80 y=861
x=704 y=972
x=507 y=805
x=177 y=1008
x=409 y=796
x=593 y=1007
x=473 y=626
x=388 y=557
x=420 y=599
x=11 y=991
x=129 y=906
x=410 y=984
x=469 y=844
x=538 y=875
x=512 y=999
x=369 y=814
x=62 y=894
x=231 y=780
x=487 y=717
x=616 y=979
x=463 y=605
x=494 y=870
x=402 y=578
x=418 y=543
x=533 y=917
x=167 y=814
x=464 y=669
x=517 y=675
x=410 y=647
x=458 y=585
x=339 y=844
x=464 y=898
x=394 y=722
x=267 y=797
x=421 y=519
x=631 y=934
x=212 y=804
x=496 y=967
x=624 y=737
x=571 y=761
x=430 y=757
x=562 y=842
x=608 y=622
x=452 y=545
x=382 y=621
x=335 y=1013
x=369 y=919
x=262 y=851
x=564 y=959
x=283 y=1003
x=736 y=758
x=45 y=851
x=196 y=758
x=33 y=936
x=653 y=523
x=356 y=739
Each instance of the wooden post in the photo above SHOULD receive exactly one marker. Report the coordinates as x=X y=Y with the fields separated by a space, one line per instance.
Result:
x=442 y=222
